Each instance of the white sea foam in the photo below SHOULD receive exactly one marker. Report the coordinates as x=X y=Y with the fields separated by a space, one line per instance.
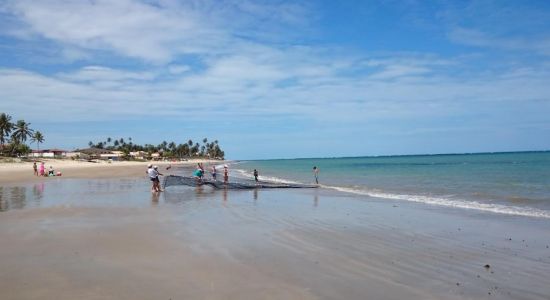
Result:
x=249 y=175
x=432 y=200
x=455 y=203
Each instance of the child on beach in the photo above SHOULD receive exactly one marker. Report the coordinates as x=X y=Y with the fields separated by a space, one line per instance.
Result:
x=51 y=172
x=35 y=168
x=42 y=169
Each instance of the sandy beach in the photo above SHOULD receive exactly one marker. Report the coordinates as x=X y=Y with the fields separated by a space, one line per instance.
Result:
x=88 y=235
x=22 y=172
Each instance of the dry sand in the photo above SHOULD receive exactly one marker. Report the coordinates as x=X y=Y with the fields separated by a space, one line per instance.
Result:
x=87 y=238
x=23 y=172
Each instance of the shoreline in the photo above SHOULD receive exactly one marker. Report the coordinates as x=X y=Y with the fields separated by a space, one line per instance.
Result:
x=22 y=172
x=90 y=239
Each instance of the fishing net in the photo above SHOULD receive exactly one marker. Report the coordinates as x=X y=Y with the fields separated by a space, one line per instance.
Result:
x=173 y=180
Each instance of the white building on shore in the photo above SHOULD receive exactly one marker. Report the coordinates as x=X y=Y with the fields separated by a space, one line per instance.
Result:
x=49 y=153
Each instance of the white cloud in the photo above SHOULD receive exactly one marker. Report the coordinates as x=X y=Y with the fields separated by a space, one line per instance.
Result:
x=251 y=86
x=236 y=76
x=178 y=69
x=99 y=73
x=129 y=28
x=156 y=32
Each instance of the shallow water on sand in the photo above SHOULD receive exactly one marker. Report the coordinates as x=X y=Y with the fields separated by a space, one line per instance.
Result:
x=113 y=239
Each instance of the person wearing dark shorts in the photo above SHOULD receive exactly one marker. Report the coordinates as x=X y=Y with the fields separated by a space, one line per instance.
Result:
x=316 y=174
x=256 y=175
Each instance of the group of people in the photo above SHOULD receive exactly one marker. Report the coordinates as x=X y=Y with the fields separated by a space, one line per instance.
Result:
x=41 y=170
x=153 y=173
x=199 y=173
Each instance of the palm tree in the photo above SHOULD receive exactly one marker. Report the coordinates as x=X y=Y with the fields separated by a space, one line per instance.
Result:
x=190 y=143
x=21 y=132
x=90 y=143
x=37 y=137
x=5 y=127
x=172 y=147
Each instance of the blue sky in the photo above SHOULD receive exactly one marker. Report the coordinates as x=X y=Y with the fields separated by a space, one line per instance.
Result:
x=282 y=79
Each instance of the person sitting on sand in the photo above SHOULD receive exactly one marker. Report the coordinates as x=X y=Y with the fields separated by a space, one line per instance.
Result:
x=35 y=168
x=51 y=171
x=225 y=174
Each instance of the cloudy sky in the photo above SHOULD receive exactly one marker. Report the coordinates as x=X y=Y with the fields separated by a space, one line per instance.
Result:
x=274 y=79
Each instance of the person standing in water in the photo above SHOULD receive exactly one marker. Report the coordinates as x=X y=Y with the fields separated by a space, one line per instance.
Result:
x=148 y=171
x=316 y=174
x=154 y=177
x=225 y=174
x=256 y=175
x=213 y=173
x=157 y=181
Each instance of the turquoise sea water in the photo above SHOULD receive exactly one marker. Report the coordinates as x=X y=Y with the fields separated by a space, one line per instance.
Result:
x=507 y=183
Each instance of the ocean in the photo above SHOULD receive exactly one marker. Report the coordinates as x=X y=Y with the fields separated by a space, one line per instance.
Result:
x=504 y=183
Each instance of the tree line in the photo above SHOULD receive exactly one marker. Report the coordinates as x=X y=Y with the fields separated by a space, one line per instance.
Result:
x=13 y=136
x=167 y=149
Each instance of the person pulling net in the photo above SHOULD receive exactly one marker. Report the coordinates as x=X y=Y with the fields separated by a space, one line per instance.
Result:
x=174 y=180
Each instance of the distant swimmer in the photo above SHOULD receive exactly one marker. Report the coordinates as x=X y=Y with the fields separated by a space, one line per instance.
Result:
x=225 y=174
x=256 y=175
x=316 y=174
x=213 y=172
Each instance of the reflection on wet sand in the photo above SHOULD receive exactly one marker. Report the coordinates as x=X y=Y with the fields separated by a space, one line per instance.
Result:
x=13 y=198
x=155 y=199
x=315 y=199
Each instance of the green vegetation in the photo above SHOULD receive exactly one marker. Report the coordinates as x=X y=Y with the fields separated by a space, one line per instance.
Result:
x=13 y=138
x=14 y=135
x=166 y=149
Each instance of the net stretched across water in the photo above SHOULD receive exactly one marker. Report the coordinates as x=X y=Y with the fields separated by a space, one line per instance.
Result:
x=172 y=180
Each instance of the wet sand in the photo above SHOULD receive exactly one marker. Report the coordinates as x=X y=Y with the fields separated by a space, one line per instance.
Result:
x=112 y=239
